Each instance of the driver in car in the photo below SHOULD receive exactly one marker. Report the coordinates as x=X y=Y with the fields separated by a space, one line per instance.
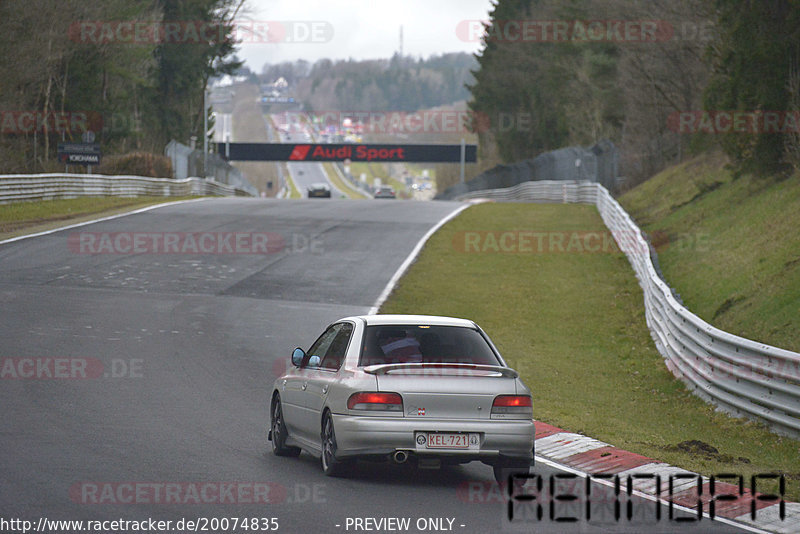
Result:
x=399 y=347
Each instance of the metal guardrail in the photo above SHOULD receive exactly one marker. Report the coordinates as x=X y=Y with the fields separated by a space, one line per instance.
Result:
x=350 y=181
x=740 y=376
x=598 y=163
x=540 y=191
x=15 y=187
x=188 y=162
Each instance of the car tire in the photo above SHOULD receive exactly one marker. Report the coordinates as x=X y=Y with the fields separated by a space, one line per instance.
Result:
x=502 y=473
x=331 y=466
x=279 y=433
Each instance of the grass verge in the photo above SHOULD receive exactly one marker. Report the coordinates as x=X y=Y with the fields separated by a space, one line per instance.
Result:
x=293 y=191
x=573 y=324
x=20 y=218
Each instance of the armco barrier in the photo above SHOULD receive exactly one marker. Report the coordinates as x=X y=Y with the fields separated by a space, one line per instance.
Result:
x=52 y=186
x=740 y=376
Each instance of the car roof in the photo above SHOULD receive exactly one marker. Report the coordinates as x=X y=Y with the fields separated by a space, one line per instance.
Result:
x=391 y=319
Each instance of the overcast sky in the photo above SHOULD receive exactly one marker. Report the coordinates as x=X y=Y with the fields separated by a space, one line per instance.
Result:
x=359 y=29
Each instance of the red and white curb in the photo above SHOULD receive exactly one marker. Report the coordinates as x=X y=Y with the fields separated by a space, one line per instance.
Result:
x=587 y=456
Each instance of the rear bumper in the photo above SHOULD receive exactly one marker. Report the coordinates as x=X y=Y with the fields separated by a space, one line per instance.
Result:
x=508 y=441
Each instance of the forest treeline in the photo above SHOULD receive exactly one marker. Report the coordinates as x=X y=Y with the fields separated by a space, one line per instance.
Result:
x=401 y=83
x=132 y=72
x=660 y=78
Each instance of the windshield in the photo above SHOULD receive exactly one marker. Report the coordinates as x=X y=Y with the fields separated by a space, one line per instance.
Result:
x=425 y=344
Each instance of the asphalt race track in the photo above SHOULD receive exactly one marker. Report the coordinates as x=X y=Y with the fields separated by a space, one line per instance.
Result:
x=169 y=359
x=305 y=174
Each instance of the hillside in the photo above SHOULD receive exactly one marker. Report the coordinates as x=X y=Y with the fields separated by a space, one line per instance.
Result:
x=729 y=246
x=396 y=84
x=573 y=325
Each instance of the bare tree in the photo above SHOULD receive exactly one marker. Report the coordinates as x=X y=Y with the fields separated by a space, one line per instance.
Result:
x=661 y=78
x=792 y=137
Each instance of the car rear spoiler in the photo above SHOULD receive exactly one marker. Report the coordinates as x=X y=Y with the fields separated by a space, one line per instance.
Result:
x=385 y=368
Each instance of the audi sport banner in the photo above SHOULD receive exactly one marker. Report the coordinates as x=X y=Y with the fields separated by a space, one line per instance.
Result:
x=352 y=152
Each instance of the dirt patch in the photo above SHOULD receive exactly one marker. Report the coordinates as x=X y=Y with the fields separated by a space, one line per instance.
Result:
x=697 y=447
x=704 y=450
x=791 y=263
x=704 y=189
x=727 y=305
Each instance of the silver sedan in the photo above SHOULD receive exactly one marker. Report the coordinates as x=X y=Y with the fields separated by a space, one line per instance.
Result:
x=424 y=389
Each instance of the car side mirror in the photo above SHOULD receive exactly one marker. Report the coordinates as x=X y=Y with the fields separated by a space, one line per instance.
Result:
x=298 y=355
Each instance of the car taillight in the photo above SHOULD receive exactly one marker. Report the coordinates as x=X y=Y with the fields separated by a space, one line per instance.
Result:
x=367 y=400
x=512 y=407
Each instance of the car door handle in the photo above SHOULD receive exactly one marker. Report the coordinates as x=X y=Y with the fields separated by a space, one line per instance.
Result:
x=324 y=390
x=305 y=385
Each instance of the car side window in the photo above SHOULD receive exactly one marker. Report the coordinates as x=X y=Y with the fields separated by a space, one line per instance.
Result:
x=323 y=343
x=338 y=349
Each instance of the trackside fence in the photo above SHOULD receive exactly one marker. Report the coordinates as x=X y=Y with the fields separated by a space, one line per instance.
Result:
x=15 y=187
x=740 y=376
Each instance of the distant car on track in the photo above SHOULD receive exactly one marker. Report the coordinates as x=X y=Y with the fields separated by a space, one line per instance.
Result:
x=319 y=190
x=385 y=191
x=429 y=390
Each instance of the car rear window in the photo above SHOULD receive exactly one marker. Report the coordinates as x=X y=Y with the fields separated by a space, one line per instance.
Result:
x=425 y=344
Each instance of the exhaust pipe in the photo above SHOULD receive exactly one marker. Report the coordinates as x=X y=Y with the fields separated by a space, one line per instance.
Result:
x=400 y=457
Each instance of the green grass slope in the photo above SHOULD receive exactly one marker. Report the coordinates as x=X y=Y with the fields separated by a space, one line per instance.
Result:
x=730 y=247
x=571 y=320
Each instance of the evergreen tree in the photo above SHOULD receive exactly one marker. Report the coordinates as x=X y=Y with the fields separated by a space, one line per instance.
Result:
x=755 y=51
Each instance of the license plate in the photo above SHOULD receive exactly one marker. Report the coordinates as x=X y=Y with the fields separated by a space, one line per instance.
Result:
x=447 y=440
